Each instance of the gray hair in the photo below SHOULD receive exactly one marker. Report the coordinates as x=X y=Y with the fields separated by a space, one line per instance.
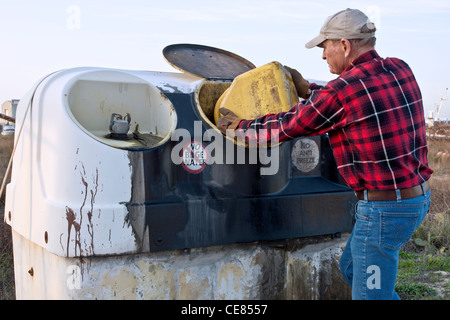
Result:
x=363 y=43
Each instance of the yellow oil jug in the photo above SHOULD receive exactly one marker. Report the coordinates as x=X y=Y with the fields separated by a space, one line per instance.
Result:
x=260 y=91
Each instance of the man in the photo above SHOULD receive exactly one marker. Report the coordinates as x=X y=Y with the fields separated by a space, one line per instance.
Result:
x=374 y=117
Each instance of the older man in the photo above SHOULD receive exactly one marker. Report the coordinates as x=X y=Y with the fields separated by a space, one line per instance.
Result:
x=374 y=117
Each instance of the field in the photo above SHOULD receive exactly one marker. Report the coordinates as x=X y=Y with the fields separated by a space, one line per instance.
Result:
x=6 y=260
x=424 y=267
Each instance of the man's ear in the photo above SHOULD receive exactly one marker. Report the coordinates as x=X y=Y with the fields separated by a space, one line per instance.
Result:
x=346 y=47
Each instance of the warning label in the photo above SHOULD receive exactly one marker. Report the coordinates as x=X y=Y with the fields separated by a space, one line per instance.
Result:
x=194 y=157
x=305 y=155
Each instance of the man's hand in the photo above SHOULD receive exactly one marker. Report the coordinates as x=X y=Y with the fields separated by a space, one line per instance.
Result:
x=300 y=83
x=228 y=120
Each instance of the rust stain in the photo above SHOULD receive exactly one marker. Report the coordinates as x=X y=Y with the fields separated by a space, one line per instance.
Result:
x=76 y=221
x=71 y=217
x=90 y=225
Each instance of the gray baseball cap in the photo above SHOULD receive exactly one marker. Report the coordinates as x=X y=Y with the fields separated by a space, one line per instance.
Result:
x=346 y=24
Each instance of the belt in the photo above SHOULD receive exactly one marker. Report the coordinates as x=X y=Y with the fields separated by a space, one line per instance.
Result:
x=391 y=195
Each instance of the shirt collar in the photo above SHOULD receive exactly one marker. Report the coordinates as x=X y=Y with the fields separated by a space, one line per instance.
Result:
x=366 y=57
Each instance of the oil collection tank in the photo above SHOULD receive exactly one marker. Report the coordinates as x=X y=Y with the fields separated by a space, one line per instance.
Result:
x=118 y=162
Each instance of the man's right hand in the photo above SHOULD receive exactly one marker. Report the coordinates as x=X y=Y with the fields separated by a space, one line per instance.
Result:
x=300 y=83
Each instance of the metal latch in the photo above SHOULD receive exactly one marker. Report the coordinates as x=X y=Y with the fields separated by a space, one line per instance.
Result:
x=119 y=125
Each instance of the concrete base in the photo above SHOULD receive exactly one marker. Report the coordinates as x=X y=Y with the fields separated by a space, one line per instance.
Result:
x=305 y=269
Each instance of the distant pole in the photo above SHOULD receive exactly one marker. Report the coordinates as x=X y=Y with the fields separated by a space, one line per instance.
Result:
x=7 y=118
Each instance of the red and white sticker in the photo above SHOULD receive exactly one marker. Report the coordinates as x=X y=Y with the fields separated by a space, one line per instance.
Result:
x=194 y=157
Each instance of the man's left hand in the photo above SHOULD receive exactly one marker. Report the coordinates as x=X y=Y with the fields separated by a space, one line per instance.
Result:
x=228 y=120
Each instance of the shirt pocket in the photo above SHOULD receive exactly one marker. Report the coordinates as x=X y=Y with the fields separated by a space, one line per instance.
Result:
x=396 y=228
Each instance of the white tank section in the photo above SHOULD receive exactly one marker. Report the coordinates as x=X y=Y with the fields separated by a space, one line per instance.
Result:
x=69 y=178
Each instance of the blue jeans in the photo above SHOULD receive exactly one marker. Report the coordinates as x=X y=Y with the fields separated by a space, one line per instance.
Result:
x=369 y=262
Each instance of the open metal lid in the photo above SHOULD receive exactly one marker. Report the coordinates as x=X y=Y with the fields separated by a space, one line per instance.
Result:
x=207 y=62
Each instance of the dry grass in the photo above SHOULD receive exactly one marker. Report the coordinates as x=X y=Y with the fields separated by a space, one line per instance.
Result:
x=6 y=259
x=434 y=233
x=6 y=147
x=424 y=265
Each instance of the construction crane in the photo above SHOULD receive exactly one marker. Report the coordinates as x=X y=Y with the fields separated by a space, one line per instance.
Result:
x=439 y=107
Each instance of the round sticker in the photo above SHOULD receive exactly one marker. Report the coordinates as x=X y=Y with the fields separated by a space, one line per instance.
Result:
x=305 y=155
x=194 y=157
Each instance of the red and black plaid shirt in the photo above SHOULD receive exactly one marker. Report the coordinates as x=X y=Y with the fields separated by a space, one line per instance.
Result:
x=375 y=120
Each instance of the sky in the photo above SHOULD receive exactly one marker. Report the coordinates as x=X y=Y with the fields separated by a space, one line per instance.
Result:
x=40 y=37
